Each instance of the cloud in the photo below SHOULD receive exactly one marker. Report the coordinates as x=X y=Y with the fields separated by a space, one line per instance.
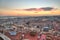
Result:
x=41 y=9
x=12 y=12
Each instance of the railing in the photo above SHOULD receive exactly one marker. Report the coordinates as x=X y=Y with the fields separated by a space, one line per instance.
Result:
x=4 y=37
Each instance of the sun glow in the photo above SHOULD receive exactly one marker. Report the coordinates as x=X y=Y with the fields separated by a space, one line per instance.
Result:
x=29 y=13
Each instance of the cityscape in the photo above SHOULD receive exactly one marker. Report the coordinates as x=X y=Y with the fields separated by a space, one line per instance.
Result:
x=29 y=19
x=30 y=28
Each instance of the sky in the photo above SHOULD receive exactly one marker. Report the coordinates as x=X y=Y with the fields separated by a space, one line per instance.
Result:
x=8 y=7
x=23 y=4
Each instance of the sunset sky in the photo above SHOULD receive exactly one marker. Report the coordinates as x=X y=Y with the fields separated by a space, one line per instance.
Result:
x=7 y=7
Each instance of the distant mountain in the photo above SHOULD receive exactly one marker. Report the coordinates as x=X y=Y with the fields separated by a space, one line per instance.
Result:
x=40 y=9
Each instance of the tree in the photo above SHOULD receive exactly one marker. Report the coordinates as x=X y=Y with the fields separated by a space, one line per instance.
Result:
x=33 y=33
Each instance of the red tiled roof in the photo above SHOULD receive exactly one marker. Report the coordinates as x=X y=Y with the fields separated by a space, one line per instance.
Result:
x=17 y=37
